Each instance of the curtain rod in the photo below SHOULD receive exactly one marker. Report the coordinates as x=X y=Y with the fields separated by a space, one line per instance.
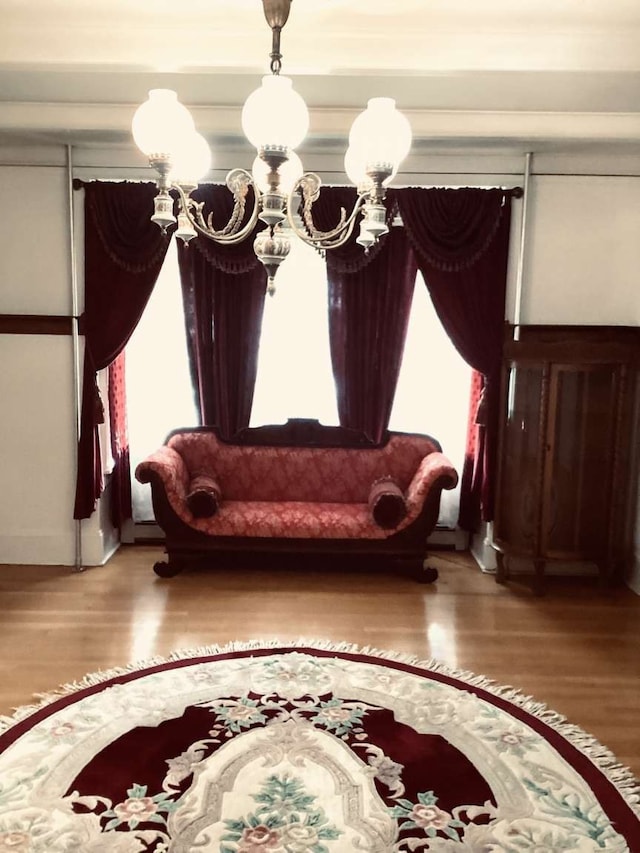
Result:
x=514 y=192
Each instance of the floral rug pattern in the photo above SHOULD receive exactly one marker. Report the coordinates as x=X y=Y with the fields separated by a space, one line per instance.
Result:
x=300 y=751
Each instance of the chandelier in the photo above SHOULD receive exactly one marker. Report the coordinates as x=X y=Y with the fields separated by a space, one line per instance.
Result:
x=275 y=120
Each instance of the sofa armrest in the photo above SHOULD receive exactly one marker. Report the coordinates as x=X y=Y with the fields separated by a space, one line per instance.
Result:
x=432 y=468
x=167 y=465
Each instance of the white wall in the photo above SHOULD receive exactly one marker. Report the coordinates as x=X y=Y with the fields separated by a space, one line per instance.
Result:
x=34 y=262
x=37 y=440
x=37 y=420
x=583 y=251
x=580 y=267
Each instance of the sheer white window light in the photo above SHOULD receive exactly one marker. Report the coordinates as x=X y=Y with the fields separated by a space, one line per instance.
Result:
x=434 y=383
x=159 y=393
x=433 y=391
x=295 y=379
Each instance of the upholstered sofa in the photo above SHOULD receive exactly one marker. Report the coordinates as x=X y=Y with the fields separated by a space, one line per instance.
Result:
x=299 y=487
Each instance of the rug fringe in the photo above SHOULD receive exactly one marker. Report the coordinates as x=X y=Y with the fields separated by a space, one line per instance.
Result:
x=619 y=775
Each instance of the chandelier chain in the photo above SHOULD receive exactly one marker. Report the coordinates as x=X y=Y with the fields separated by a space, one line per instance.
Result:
x=276 y=56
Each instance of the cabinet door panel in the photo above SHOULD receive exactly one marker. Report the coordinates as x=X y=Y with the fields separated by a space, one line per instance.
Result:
x=518 y=519
x=578 y=471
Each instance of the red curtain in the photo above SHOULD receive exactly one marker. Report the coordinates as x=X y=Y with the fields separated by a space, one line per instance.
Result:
x=121 y=475
x=474 y=454
x=223 y=290
x=370 y=298
x=461 y=238
x=124 y=252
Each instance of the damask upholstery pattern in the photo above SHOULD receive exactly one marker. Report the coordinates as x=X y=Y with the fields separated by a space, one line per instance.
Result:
x=336 y=474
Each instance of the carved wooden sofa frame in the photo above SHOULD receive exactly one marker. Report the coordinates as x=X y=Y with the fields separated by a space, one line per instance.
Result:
x=186 y=545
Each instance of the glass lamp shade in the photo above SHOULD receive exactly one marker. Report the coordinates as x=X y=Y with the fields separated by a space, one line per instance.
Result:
x=380 y=134
x=289 y=173
x=355 y=167
x=275 y=115
x=161 y=123
x=191 y=162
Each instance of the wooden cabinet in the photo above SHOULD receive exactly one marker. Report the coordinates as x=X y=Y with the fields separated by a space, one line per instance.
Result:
x=566 y=447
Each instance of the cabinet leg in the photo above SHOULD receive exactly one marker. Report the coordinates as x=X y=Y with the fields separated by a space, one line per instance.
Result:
x=501 y=570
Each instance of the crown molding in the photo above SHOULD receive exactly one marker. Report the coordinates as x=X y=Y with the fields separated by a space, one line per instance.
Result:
x=109 y=124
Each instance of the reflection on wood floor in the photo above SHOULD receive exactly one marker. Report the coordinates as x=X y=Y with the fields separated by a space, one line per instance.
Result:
x=577 y=649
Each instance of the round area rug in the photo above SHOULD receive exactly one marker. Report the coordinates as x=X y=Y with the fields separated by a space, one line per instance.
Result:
x=267 y=748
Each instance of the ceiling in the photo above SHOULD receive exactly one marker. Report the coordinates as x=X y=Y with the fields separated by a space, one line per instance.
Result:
x=549 y=72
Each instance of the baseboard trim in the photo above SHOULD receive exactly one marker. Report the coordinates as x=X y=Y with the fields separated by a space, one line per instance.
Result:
x=447 y=537
x=33 y=548
x=482 y=549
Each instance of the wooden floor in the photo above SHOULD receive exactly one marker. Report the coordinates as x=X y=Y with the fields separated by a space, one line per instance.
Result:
x=577 y=649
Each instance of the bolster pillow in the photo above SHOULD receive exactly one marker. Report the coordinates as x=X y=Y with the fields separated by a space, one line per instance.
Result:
x=386 y=503
x=203 y=496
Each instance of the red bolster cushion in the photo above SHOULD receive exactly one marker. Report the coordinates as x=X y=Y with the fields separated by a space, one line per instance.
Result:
x=204 y=496
x=386 y=503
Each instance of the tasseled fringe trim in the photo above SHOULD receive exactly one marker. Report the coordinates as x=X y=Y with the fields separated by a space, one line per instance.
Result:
x=619 y=775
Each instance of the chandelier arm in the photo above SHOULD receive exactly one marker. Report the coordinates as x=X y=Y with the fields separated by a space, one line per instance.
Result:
x=324 y=240
x=238 y=182
x=309 y=186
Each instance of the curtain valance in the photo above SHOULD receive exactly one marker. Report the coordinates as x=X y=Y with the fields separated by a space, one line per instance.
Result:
x=119 y=215
x=450 y=228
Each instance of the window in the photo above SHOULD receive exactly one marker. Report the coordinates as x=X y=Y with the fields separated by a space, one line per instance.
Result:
x=159 y=394
x=433 y=390
x=294 y=369
x=294 y=364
